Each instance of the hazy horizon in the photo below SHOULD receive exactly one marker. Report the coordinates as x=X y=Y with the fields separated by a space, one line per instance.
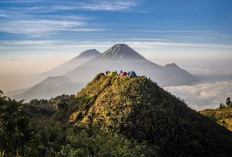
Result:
x=16 y=72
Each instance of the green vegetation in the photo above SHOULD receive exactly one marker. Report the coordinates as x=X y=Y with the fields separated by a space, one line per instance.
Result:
x=112 y=116
x=37 y=129
x=14 y=130
x=222 y=116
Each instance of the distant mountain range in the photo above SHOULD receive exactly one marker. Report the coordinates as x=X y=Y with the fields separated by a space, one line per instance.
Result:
x=122 y=57
x=72 y=75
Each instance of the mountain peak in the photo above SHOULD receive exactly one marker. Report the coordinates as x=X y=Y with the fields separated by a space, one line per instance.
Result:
x=171 y=65
x=121 y=45
x=121 y=52
x=73 y=63
x=89 y=53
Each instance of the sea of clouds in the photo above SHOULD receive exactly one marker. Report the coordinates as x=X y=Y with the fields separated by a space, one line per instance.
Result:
x=202 y=96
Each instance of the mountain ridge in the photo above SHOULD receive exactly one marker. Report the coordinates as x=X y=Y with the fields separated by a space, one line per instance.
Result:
x=122 y=57
x=88 y=53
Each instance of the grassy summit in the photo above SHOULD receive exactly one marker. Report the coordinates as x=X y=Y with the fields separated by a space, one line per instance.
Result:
x=140 y=110
x=223 y=116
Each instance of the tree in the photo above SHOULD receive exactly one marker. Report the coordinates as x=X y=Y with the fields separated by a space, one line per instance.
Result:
x=228 y=102
x=1 y=92
x=62 y=105
x=222 y=106
x=14 y=130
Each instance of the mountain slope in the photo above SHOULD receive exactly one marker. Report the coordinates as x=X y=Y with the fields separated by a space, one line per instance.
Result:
x=50 y=87
x=122 y=57
x=73 y=63
x=142 y=111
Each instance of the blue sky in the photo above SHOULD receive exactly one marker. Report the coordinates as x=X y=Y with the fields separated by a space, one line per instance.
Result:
x=52 y=31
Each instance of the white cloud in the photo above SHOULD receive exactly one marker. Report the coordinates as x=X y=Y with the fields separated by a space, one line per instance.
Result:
x=51 y=46
x=174 y=31
x=108 y=5
x=146 y=39
x=92 y=5
x=202 y=96
x=29 y=20
x=30 y=42
x=148 y=44
x=85 y=30
x=37 y=26
x=41 y=27
x=21 y=1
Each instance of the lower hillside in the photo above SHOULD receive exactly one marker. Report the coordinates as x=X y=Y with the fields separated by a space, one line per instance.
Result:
x=32 y=129
x=142 y=111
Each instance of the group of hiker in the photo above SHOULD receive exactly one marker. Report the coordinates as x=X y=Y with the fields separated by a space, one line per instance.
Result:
x=121 y=74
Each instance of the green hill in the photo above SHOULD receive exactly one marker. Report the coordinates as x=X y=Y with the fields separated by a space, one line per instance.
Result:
x=140 y=110
x=222 y=116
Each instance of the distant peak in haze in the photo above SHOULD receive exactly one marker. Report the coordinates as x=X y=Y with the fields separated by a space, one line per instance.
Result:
x=55 y=79
x=171 y=65
x=121 y=52
x=89 y=53
x=73 y=63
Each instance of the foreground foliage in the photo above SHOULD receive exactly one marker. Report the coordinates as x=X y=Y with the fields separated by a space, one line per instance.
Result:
x=14 y=130
x=32 y=130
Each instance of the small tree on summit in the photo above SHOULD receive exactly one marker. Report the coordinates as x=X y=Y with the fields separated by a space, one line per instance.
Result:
x=228 y=102
x=222 y=106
